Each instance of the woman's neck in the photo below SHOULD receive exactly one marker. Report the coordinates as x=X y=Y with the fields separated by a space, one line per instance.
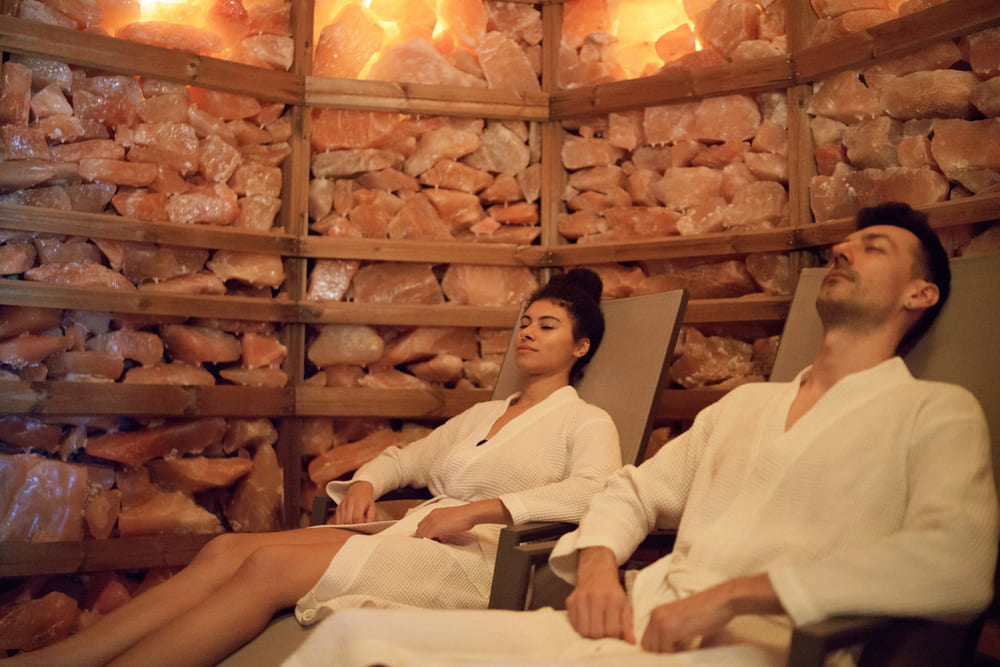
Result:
x=537 y=388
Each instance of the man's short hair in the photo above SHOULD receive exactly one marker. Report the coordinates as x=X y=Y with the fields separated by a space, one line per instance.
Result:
x=930 y=264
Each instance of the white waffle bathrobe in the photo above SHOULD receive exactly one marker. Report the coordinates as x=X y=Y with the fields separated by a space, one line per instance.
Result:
x=880 y=499
x=543 y=465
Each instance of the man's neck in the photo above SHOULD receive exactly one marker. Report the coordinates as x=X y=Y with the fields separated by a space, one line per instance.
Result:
x=844 y=352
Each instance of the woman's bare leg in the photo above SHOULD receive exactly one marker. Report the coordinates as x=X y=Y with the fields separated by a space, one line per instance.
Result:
x=115 y=632
x=270 y=579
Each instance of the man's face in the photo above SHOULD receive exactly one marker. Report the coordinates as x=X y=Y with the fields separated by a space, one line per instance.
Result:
x=870 y=273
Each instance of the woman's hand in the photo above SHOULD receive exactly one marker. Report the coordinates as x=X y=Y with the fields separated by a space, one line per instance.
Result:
x=448 y=521
x=358 y=506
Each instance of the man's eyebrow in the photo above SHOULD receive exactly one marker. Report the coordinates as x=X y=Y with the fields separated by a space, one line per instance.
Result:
x=878 y=236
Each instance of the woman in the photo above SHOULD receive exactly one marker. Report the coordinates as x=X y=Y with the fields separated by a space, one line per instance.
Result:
x=538 y=455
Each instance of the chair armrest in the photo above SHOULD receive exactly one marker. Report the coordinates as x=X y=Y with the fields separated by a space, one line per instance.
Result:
x=811 y=642
x=512 y=572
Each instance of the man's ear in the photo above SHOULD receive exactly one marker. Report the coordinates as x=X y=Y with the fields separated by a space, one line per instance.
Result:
x=581 y=347
x=923 y=294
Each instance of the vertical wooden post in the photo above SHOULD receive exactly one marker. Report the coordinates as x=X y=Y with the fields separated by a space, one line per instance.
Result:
x=553 y=174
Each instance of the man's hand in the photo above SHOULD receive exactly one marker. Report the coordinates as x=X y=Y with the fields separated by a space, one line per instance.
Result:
x=676 y=626
x=447 y=521
x=358 y=506
x=598 y=607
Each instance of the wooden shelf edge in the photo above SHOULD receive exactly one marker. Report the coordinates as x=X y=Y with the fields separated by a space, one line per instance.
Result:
x=433 y=403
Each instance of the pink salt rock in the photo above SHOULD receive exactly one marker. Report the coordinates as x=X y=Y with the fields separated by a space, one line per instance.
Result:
x=334 y=129
x=256 y=504
x=772 y=271
x=521 y=213
x=171 y=108
x=915 y=153
x=355 y=344
x=934 y=94
x=441 y=144
x=321 y=194
x=254 y=268
x=50 y=101
x=488 y=285
x=206 y=125
x=226 y=106
x=330 y=279
x=142 y=262
x=727 y=23
x=600 y=179
x=15 y=94
x=418 y=219
x=916 y=187
x=249 y=433
x=134 y=448
x=827 y=30
x=31 y=624
x=26 y=173
x=455 y=176
x=61 y=129
x=597 y=202
x=831 y=198
x=113 y=112
x=397 y=282
x=416 y=61
x=504 y=189
x=344 y=458
x=675 y=43
x=686 y=186
x=505 y=64
x=443 y=369
x=523 y=23
x=391 y=378
x=90 y=148
x=196 y=345
x=43 y=499
x=963 y=147
x=726 y=118
x=349 y=162
x=717 y=156
x=457 y=210
x=254 y=179
x=267 y=51
x=167 y=513
x=625 y=129
x=618 y=280
x=55 y=250
x=257 y=213
x=392 y=180
x=425 y=342
x=668 y=124
x=30 y=433
x=267 y=155
x=141 y=346
x=770 y=138
x=707 y=280
x=335 y=225
x=828 y=156
x=937 y=56
x=845 y=98
x=502 y=148
x=464 y=20
x=641 y=222
x=79 y=274
x=118 y=172
x=101 y=512
x=75 y=365
x=767 y=166
x=273 y=378
x=582 y=18
x=482 y=373
x=707 y=360
x=176 y=373
x=340 y=375
x=191 y=283
x=174 y=36
x=347 y=44
x=986 y=97
x=582 y=223
x=205 y=204
x=172 y=144
x=830 y=8
x=90 y=197
x=217 y=160
x=581 y=152
x=983 y=49
x=16 y=257
x=758 y=205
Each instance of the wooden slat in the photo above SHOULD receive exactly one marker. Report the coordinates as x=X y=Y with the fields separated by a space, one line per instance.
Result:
x=750 y=308
x=119 y=55
x=19 y=559
x=398 y=314
x=801 y=166
x=425 y=252
x=413 y=98
x=106 y=226
x=757 y=75
x=400 y=403
x=24 y=293
x=136 y=400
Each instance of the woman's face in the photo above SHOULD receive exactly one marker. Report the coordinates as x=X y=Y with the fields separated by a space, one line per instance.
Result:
x=545 y=343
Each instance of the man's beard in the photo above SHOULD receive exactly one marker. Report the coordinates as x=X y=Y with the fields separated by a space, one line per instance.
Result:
x=848 y=314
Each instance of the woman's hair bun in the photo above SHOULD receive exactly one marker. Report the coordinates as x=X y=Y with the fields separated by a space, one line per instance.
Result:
x=584 y=280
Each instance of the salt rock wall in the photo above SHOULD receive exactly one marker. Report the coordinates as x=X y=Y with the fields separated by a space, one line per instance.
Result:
x=922 y=127
x=253 y=32
x=447 y=42
x=38 y=344
x=100 y=477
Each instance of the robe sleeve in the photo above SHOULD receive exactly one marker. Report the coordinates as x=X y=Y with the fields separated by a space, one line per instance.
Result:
x=942 y=560
x=594 y=454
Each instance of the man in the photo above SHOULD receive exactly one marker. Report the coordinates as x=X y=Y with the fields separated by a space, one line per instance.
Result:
x=854 y=489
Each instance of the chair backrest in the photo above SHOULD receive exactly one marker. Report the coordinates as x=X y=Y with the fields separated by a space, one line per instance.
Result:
x=961 y=347
x=628 y=370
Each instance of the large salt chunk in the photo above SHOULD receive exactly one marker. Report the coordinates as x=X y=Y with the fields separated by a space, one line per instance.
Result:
x=962 y=147
x=426 y=342
x=176 y=373
x=727 y=23
x=256 y=504
x=79 y=274
x=707 y=360
x=349 y=162
x=347 y=44
x=254 y=268
x=418 y=219
x=169 y=35
x=641 y=221
x=456 y=176
x=30 y=624
x=706 y=279
x=983 y=49
x=758 y=205
x=217 y=160
x=581 y=152
x=167 y=513
x=488 y=285
x=226 y=106
x=171 y=144
x=502 y=148
x=43 y=499
x=357 y=344
x=397 y=282
x=195 y=345
x=683 y=187
x=986 y=97
x=937 y=56
x=934 y=94
x=872 y=143
x=15 y=93
x=845 y=98
x=669 y=123
x=191 y=474
x=141 y=346
x=142 y=262
x=206 y=204
x=349 y=128
x=505 y=64
x=439 y=144
x=416 y=61
x=133 y=448
x=117 y=172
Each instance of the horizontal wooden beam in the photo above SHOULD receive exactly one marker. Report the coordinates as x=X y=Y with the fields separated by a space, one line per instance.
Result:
x=415 y=98
x=119 y=55
x=426 y=252
x=749 y=308
x=402 y=314
x=434 y=403
x=138 y=400
x=24 y=559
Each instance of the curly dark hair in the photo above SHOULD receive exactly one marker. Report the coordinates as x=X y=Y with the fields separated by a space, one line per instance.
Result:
x=579 y=292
